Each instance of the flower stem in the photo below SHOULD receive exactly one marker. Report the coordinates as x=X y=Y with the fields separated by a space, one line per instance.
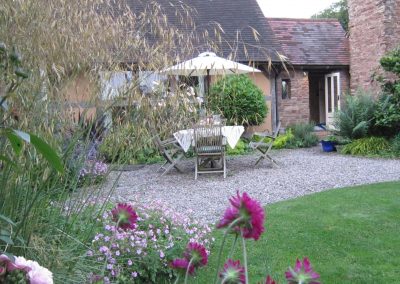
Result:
x=245 y=260
x=233 y=246
x=187 y=270
x=177 y=279
x=234 y=223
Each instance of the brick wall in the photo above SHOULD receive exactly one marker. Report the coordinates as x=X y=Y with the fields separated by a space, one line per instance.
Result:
x=374 y=30
x=297 y=108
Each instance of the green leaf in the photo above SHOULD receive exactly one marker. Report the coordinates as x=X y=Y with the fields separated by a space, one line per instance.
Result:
x=7 y=220
x=48 y=153
x=16 y=142
x=7 y=240
x=23 y=135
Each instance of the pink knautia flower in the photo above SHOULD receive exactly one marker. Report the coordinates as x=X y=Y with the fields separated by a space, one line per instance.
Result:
x=248 y=214
x=232 y=273
x=124 y=216
x=270 y=280
x=181 y=265
x=196 y=253
x=302 y=273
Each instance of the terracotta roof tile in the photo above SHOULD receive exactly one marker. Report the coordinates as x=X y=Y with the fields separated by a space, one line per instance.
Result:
x=312 y=41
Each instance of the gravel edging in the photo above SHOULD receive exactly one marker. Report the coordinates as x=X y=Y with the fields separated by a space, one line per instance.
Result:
x=300 y=172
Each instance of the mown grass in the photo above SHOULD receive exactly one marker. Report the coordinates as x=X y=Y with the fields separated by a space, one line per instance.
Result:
x=351 y=235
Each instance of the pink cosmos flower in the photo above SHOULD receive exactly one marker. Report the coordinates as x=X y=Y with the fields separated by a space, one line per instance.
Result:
x=232 y=273
x=197 y=253
x=181 y=264
x=248 y=214
x=124 y=216
x=270 y=280
x=302 y=273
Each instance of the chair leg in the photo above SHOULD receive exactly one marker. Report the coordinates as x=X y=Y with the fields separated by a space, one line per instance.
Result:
x=167 y=169
x=224 y=161
x=272 y=160
x=195 y=169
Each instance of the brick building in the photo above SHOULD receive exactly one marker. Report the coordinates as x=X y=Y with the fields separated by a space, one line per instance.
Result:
x=374 y=30
x=317 y=71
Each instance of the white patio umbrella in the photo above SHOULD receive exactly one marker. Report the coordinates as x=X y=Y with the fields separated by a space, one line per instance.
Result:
x=208 y=64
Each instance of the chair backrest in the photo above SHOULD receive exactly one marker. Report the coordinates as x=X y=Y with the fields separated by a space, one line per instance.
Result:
x=208 y=139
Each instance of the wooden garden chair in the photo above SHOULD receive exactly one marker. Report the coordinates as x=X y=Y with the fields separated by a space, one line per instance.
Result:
x=262 y=147
x=172 y=153
x=209 y=150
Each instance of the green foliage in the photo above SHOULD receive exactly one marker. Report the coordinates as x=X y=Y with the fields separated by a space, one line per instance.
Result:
x=338 y=10
x=396 y=145
x=283 y=139
x=387 y=112
x=355 y=118
x=240 y=148
x=121 y=146
x=239 y=100
x=367 y=146
x=391 y=61
x=303 y=136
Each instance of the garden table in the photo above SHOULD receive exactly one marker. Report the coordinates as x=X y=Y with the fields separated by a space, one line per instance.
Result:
x=231 y=134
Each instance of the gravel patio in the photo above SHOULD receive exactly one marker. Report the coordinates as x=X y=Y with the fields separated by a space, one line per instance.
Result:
x=300 y=172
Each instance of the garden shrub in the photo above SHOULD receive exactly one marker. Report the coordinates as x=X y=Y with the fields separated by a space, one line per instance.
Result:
x=281 y=140
x=141 y=249
x=239 y=100
x=240 y=148
x=367 y=146
x=303 y=136
x=121 y=146
x=396 y=145
x=387 y=112
x=355 y=118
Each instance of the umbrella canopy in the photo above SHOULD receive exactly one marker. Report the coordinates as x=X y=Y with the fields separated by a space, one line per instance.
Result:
x=206 y=64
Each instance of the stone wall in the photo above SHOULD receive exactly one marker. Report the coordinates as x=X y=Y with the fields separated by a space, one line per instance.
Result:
x=295 y=109
x=374 y=30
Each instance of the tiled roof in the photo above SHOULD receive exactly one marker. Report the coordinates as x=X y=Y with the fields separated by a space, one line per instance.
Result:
x=233 y=16
x=312 y=41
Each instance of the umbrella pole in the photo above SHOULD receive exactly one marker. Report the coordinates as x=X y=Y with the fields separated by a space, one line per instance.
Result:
x=208 y=87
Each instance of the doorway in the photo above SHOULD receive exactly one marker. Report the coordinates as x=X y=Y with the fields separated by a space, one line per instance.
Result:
x=332 y=97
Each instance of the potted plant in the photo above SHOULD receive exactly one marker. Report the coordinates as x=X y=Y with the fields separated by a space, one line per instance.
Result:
x=329 y=143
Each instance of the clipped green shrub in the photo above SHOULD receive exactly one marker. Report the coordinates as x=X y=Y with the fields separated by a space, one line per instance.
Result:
x=303 y=136
x=367 y=146
x=240 y=148
x=239 y=100
x=354 y=119
x=121 y=146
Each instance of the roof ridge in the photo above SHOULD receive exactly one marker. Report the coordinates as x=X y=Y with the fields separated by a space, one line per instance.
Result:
x=302 y=19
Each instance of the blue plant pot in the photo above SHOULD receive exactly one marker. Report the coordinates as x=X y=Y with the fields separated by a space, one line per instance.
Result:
x=328 y=146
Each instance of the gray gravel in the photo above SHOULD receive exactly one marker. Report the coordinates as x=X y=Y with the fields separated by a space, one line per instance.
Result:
x=300 y=172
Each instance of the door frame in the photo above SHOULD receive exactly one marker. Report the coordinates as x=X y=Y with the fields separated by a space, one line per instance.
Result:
x=329 y=115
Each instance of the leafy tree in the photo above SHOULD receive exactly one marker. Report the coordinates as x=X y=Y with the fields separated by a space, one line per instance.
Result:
x=338 y=10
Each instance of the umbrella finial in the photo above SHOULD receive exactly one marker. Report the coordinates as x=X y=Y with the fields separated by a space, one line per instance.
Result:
x=207 y=53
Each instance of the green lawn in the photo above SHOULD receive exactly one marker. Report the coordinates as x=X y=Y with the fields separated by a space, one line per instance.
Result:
x=351 y=235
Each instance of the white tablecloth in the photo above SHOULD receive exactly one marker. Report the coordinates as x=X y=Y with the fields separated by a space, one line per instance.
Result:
x=232 y=134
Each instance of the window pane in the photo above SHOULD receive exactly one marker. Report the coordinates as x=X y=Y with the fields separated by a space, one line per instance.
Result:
x=329 y=98
x=335 y=91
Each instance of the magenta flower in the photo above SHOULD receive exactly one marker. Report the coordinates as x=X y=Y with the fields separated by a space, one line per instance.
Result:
x=232 y=273
x=302 y=273
x=181 y=264
x=270 y=280
x=247 y=214
x=124 y=216
x=196 y=253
